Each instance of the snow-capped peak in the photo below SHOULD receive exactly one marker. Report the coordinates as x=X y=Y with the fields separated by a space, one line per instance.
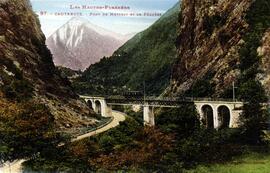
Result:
x=75 y=24
x=79 y=43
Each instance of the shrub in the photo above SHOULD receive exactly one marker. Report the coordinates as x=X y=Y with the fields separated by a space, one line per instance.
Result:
x=26 y=129
x=18 y=90
x=202 y=87
x=183 y=121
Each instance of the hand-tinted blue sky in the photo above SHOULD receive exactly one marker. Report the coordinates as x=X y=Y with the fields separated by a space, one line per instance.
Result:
x=123 y=25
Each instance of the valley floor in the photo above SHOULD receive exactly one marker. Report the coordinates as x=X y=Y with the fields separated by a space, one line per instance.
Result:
x=249 y=163
x=16 y=166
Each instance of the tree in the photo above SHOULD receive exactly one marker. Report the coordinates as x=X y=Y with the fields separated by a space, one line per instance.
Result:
x=254 y=117
x=183 y=120
x=251 y=90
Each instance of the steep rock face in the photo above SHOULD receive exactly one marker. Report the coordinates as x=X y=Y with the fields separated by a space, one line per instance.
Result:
x=209 y=40
x=27 y=69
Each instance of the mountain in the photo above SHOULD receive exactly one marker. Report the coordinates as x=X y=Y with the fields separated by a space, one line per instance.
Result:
x=148 y=57
x=79 y=43
x=221 y=42
x=27 y=72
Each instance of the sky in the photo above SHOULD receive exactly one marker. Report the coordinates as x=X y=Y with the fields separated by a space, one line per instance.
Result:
x=55 y=13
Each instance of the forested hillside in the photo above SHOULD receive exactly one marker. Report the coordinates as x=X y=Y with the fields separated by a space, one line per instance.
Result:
x=145 y=57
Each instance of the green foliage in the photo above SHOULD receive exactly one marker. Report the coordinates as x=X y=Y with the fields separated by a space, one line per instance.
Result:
x=107 y=142
x=121 y=135
x=145 y=57
x=75 y=157
x=131 y=147
x=183 y=121
x=206 y=146
x=202 y=87
x=66 y=72
x=251 y=90
x=26 y=130
x=251 y=162
x=69 y=159
x=15 y=87
x=137 y=116
x=254 y=116
x=193 y=143
x=18 y=90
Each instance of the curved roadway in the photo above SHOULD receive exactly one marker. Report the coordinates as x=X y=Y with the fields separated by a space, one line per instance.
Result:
x=16 y=166
x=117 y=117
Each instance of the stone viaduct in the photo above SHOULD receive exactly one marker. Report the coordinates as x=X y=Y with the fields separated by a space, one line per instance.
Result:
x=213 y=113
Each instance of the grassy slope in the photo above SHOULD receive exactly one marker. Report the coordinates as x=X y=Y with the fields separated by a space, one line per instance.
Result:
x=148 y=56
x=250 y=163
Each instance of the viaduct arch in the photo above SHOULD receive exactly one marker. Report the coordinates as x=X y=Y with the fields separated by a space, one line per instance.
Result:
x=207 y=117
x=225 y=114
x=99 y=105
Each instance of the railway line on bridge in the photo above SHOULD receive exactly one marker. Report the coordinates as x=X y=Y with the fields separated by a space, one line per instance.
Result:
x=161 y=101
x=213 y=112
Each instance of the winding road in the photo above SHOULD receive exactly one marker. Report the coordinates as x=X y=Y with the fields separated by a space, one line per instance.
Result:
x=16 y=166
x=117 y=117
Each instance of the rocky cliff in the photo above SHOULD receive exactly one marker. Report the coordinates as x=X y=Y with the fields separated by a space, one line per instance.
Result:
x=27 y=70
x=211 y=34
